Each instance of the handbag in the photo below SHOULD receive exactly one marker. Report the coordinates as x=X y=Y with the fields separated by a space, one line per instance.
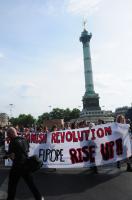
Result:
x=33 y=163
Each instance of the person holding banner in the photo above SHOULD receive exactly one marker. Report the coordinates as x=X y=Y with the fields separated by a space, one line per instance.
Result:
x=18 y=153
x=93 y=168
x=121 y=119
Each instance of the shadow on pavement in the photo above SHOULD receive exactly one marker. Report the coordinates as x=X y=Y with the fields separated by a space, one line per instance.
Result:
x=55 y=184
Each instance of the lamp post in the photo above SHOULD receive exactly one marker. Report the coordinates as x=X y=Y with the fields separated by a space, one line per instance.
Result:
x=11 y=107
x=50 y=108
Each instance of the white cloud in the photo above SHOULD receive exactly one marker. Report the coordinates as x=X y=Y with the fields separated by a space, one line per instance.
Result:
x=25 y=90
x=83 y=7
x=2 y=55
x=112 y=82
x=113 y=89
x=57 y=78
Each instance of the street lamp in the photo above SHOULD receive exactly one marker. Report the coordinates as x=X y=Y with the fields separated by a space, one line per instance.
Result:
x=50 y=108
x=11 y=107
x=50 y=111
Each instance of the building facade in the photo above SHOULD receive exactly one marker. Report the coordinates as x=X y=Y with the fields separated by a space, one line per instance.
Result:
x=121 y=110
x=4 y=119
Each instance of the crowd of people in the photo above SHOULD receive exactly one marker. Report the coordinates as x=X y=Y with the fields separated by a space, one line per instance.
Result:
x=69 y=125
x=66 y=126
x=18 y=151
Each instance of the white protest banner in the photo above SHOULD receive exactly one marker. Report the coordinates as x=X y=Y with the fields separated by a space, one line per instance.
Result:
x=84 y=147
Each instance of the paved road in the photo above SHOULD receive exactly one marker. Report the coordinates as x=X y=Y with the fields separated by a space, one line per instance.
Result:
x=76 y=184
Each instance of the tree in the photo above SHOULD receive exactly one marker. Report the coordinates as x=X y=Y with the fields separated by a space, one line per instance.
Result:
x=67 y=114
x=75 y=113
x=23 y=120
x=41 y=118
x=57 y=113
x=14 y=121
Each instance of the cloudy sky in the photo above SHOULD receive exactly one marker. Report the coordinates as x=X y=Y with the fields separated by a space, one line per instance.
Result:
x=41 y=59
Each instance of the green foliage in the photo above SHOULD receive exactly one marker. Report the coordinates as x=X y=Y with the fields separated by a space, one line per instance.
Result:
x=23 y=120
x=41 y=118
x=14 y=121
x=67 y=115
x=58 y=113
x=75 y=113
x=28 y=120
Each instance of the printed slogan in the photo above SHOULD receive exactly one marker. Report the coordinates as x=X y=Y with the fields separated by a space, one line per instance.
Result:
x=84 y=147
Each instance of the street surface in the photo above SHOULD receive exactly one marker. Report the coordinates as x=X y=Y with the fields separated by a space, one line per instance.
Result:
x=75 y=184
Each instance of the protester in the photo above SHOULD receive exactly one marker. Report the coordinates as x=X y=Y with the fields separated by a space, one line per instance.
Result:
x=67 y=126
x=100 y=121
x=18 y=153
x=121 y=119
x=54 y=128
x=2 y=145
x=45 y=129
x=93 y=168
x=128 y=121
x=2 y=137
x=74 y=125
